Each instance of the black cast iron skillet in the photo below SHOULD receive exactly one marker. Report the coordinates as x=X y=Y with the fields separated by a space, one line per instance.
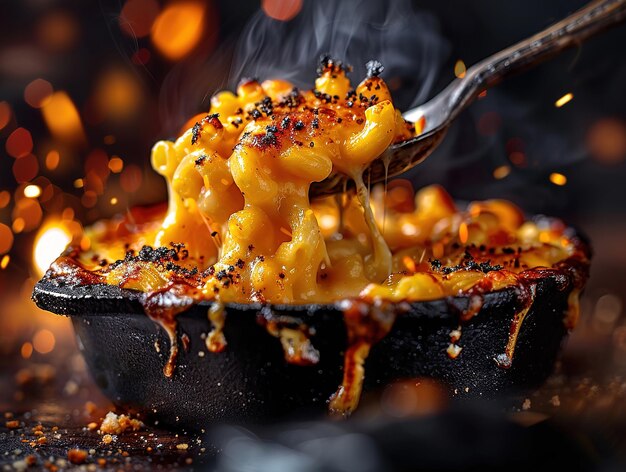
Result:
x=251 y=382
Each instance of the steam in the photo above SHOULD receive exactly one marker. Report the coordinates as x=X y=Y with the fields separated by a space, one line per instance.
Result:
x=406 y=41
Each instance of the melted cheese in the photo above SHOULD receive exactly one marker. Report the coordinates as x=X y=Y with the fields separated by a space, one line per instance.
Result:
x=238 y=185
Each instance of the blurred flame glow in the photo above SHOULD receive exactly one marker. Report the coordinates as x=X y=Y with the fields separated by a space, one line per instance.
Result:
x=62 y=118
x=563 y=100
x=281 y=10
x=178 y=28
x=51 y=241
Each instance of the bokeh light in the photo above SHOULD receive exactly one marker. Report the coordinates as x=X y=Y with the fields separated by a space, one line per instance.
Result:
x=58 y=31
x=137 y=16
x=116 y=165
x=6 y=238
x=178 y=28
x=5 y=114
x=25 y=168
x=38 y=92
x=564 y=100
x=131 y=178
x=51 y=240
x=29 y=212
x=62 y=118
x=118 y=94
x=44 y=341
x=606 y=141
x=558 y=179
x=32 y=191
x=5 y=198
x=460 y=69
x=52 y=159
x=19 y=143
x=282 y=10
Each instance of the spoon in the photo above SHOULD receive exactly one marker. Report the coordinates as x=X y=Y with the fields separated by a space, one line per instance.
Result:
x=444 y=108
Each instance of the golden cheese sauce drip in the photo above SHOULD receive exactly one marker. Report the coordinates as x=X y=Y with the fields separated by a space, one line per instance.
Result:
x=162 y=307
x=216 y=341
x=505 y=360
x=366 y=325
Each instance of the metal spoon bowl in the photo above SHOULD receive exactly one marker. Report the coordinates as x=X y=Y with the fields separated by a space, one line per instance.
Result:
x=444 y=108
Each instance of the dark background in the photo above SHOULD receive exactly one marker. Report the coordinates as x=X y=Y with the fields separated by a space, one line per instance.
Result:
x=128 y=95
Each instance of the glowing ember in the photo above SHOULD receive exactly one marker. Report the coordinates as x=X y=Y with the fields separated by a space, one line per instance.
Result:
x=44 y=341
x=463 y=233
x=178 y=29
x=32 y=191
x=62 y=118
x=282 y=10
x=558 y=179
x=460 y=69
x=50 y=242
x=5 y=261
x=501 y=172
x=114 y=201
x=563 y=100
x=78 y=183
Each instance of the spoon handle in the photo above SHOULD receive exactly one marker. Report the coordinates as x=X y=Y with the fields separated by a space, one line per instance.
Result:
x=571 y=31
